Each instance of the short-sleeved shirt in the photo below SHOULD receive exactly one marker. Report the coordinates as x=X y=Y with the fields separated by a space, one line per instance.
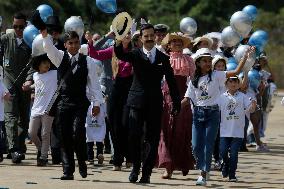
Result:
x=233 y=110
x=207 y=92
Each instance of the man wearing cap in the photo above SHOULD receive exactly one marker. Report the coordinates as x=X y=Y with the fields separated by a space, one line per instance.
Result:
x=16 y=56
x=145 y=99
x=161 y=31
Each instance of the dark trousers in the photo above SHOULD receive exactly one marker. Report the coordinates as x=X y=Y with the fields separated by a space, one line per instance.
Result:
x=151 y=119
x=229 y=149
x=2 y=138
x=90 y=149
x=118 y=118
x=17 y=118
x=216 y=152
x=71 y=120
x=55 y=143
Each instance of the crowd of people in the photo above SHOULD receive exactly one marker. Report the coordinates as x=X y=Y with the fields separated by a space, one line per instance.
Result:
x=151 y=98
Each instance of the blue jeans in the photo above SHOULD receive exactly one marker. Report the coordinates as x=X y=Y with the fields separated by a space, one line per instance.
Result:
x=232 y=145
x=204 y=132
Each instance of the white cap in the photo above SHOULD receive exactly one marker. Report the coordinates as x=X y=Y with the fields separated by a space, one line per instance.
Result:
x=218 y=57
x=201 y=53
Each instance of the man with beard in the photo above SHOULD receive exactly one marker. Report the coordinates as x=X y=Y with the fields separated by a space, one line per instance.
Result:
x=145 y=99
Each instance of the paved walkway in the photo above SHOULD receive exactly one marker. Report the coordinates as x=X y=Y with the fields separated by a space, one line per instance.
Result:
x=256 y=170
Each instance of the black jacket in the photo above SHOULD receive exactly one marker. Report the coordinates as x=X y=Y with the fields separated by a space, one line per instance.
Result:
x=146 y=91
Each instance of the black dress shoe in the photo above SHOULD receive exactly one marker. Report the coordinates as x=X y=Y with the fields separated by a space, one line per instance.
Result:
x=145 y=179
x=9 y=156
x=1 y=157
x=133 y=177
x=67 y=177
x=83 y=169
x=16 y=157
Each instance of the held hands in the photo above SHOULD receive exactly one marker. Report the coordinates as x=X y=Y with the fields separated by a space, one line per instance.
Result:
x=95 y=110
x=27 y=85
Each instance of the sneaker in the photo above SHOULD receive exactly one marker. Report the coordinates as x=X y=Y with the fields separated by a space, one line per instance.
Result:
x=252 y=144
x=100 y=159
x=217 y=166
x=233 y=179
x=116 y=168
x=201 y=181
x=262 y=148
x=91 y=161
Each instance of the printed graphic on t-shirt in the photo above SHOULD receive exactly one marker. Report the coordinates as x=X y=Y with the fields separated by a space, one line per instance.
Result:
x=204 y=91
x=39 y=86
x=231 y=107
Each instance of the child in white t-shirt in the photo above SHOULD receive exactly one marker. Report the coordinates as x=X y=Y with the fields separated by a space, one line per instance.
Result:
x=233 y=104
x=96 y=131
x=203 y=91
x=4 y=95
x=45 y=82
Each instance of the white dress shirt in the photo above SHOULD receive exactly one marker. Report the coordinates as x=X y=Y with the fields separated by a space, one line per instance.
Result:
x=150 y=54
x=93 y=89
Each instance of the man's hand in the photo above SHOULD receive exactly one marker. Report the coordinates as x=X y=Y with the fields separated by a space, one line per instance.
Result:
x=95 y=110
x=27 y=85
x=253 y=105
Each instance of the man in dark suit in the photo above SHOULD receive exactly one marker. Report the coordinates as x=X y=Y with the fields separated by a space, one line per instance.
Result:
x=145 y=99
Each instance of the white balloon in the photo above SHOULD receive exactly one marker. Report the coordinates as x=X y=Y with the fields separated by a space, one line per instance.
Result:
x=37 y=45
x=74 y=23
x=229 y=37
x=188 y=25
x=240 y=52
x=241 y=22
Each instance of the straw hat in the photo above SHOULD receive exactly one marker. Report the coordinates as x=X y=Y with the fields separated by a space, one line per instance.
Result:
x=203 y=38
x=171 y=36
x=121 y=25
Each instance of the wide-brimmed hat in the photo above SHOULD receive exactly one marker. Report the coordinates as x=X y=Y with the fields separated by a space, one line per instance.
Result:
x=218 y=57
x=53 y=23
x=203 y=38
x=203 y=52
x=121 y=25
x=170 y=36
x=161 y=28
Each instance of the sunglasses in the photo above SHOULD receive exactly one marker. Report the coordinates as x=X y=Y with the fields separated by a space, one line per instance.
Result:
x=20 y=27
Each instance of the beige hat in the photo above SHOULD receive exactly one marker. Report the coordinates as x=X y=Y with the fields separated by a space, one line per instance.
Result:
x=203 y=38
x=201 y=53
x=170 y=36
x=121 y=25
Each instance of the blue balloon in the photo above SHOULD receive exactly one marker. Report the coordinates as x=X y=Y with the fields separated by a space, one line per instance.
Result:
x=251 y=10
x=258 y=39
x=29 y=34
x=107 y=6
x=254 y=79
x=231 y=66
x=45 y=11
